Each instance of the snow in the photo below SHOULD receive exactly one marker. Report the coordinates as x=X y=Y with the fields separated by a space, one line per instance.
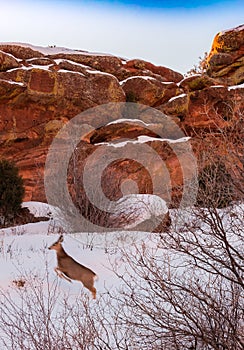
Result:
x=99 y=72
x=13 y=82
x=139 y=207
x=62 y=60
x=87 y=68
x=41 y=209
x=53 y=50
x=26 y=245
x=24 y=253
x=217 y=86
x=33 y=66
x=126 y=120
x=44 y=59
x=145 y=77
x=236 y=29
x=46 y=67
x=176 y=97
x=71 y=72
x=24 y=249
x=10 y=55
x=142 y=139
x=29 y=252
x=234 y=87
x=57 y=61
x=136 y=77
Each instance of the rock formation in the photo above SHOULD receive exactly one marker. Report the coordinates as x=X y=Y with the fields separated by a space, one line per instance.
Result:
x=41 y=89
x=226 y=58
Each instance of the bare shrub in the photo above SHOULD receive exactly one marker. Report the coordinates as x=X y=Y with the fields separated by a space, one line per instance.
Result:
x=185 y=290
x=38 y=315
x=216 y=188
x=200 y=67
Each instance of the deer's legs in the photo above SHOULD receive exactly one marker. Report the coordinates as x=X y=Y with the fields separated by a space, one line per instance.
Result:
x=91 y=288
x=94 y=292
x=61 y=274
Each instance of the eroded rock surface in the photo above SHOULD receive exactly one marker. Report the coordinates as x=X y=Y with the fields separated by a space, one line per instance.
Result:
x=42 y=89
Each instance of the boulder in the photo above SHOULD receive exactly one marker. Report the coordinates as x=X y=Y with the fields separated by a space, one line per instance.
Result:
x=10 y=89
x=21 y=51
x=148 y=91
x=213 y=108
x=176 y=107
x=225 y=60
x=101 y=62
x=7 y=61
x=197 y=82
x=166 y=74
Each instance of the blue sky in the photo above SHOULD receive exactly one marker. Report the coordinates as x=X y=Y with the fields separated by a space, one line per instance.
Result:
x=168 y=33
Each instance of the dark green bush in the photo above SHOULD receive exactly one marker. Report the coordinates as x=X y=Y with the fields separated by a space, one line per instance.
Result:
x=131 y=97
x=11 y=191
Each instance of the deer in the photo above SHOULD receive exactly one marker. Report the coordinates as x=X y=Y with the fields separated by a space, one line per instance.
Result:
x=69 y=269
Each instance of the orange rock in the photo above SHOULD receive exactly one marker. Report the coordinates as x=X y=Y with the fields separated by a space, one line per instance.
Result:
x=7 y=62
x=166 y=73
x=42 y=89
x=225 y=60
x=148 y=90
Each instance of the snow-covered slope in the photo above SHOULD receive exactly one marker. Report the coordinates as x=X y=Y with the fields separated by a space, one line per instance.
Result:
x=24 y=249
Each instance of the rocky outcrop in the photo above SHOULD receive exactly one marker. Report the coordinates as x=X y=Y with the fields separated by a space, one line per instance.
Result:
x=33 y=96
x=226 y=58
x=212 y=109
x=42 y=89
x=21 y=51
x=7 y=61
x=148 y=91
x=197 y=82
x=142 y=68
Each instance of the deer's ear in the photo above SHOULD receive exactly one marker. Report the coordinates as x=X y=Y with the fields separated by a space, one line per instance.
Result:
x=61 y=238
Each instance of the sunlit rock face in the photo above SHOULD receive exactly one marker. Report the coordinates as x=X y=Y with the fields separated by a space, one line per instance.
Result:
x=42 y=89
x=226 y=58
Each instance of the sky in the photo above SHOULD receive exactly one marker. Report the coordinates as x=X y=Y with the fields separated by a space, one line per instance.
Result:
x=167 y=33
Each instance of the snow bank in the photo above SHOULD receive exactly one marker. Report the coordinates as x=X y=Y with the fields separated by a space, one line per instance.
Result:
x=176 y=97
x=234 y=87
x=145 y=77
x=137 y=208
x=13 y=82
x=53 y=50
x=142 y=139
x=126 y=120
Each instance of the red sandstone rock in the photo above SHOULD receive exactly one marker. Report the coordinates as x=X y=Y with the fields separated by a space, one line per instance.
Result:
x=148 y=91
x=7 y=61
x=118 y=131
x=103 y=63
x=176 y=107
x=35 y=96
x=225 y=60
x=22 y=51
x=41 y=93
x=197 y=82
x=166 y=73
x=211 y=109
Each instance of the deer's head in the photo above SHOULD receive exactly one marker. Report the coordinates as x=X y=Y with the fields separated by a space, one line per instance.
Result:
x=57 y=245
